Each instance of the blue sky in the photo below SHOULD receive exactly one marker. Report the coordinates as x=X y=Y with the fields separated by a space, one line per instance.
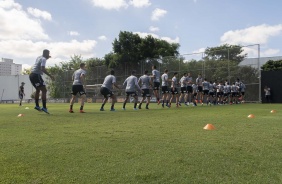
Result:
x=88 y=27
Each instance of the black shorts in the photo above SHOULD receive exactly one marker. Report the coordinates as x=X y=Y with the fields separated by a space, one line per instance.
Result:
x=146 y=93
x=189 y=89
x=219 y=94
x=242 y=93
x=205 y=92
x=78 y=89
x=106 y=92
x=131 y=94
x=165 y=90
x=183 y=89
x=211 y=94
x=21 y=96
x=195 y=95
x=174 y=92
x=234 y=94
x=36 y=80
x=200 y=88
x=156 y=86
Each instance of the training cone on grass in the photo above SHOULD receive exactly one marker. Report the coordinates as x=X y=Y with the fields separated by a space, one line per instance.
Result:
x=273 y=111
x=209 y=127
x=20 y=115
x=251 y=116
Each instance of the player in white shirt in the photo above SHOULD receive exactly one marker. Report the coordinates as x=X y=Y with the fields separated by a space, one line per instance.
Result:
x=145 y=82
x=199 y=82
x=156 y=80
x=194 y=94
x=131 y=86
x=165 y=89
x=78 y=87
x=219 y=93
x=206 y=88
x=189 y=88
x=173 y=90
x=183 y=84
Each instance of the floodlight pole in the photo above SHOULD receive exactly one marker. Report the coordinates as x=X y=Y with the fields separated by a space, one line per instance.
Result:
x=259 y=73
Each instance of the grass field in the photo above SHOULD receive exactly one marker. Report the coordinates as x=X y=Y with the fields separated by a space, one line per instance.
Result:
x=144 y=146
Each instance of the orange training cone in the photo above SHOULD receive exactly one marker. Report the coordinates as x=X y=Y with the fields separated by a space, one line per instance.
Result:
x=273 y=111
x=251 y=116
x=20 y=115
x=209 y=127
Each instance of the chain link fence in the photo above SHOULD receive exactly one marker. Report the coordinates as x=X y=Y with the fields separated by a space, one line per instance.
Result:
x=248 y=71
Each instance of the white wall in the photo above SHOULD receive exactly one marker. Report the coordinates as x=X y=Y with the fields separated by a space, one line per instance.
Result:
x=10 y=85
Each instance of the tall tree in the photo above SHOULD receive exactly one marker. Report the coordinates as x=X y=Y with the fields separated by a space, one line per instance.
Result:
x=225 y=52
x=272 y=65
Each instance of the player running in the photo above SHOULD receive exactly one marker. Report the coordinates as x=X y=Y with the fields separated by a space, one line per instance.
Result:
x=107 y=90
x=156 y=81
x=165 y=90
x=78 y=86
x=183 y=84
x=131 y=84
x=145 y=82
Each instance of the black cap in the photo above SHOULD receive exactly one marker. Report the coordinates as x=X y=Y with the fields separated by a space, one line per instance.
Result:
x=46 y=54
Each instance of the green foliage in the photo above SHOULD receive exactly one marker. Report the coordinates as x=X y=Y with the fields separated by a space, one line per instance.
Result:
x=130 y=49
x=26 y=71
x=272 y=65
x=160 y=145
x=225 y=52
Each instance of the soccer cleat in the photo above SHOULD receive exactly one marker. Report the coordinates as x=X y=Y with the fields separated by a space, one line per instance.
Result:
x=113 y=109
x=147 y=107
x=45 y=110
x=186 y=104
x=37 y=108
x=135 y=109
x=139 y=107
x=71 y=111
x=102 y=109
x=81 y=111
x=159 y=102
x=163 y=105
x=123 y=109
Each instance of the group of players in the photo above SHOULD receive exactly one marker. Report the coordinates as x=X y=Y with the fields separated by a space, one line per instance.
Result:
x=190 y=92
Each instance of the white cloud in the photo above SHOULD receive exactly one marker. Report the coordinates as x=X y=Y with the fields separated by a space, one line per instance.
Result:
x=270 y=52
x=27 y=50
x=143 y=35
x=110 y=4
x=252 y=35
x=170 y=40
x=39 y=13
x=157 y=14
x=15 y=23
x=154 y=29
x=140 y=3
x=10 y=4
x=102 y=37
x=74 y=33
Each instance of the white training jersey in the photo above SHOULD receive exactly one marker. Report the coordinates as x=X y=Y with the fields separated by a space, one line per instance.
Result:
x=76 y=76
x=109 y=81
x=131 y=84
x=36 y=68
x=164 y=79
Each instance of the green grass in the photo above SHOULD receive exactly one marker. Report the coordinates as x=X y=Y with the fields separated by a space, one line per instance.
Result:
x=144 y=146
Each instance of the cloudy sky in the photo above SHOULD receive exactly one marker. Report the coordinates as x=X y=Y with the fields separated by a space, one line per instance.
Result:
x=88 y=27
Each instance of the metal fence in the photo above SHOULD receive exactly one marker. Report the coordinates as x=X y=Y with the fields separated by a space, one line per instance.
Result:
x=248 y=71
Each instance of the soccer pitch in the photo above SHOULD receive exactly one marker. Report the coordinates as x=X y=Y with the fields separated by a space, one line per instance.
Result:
x=160 y=145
